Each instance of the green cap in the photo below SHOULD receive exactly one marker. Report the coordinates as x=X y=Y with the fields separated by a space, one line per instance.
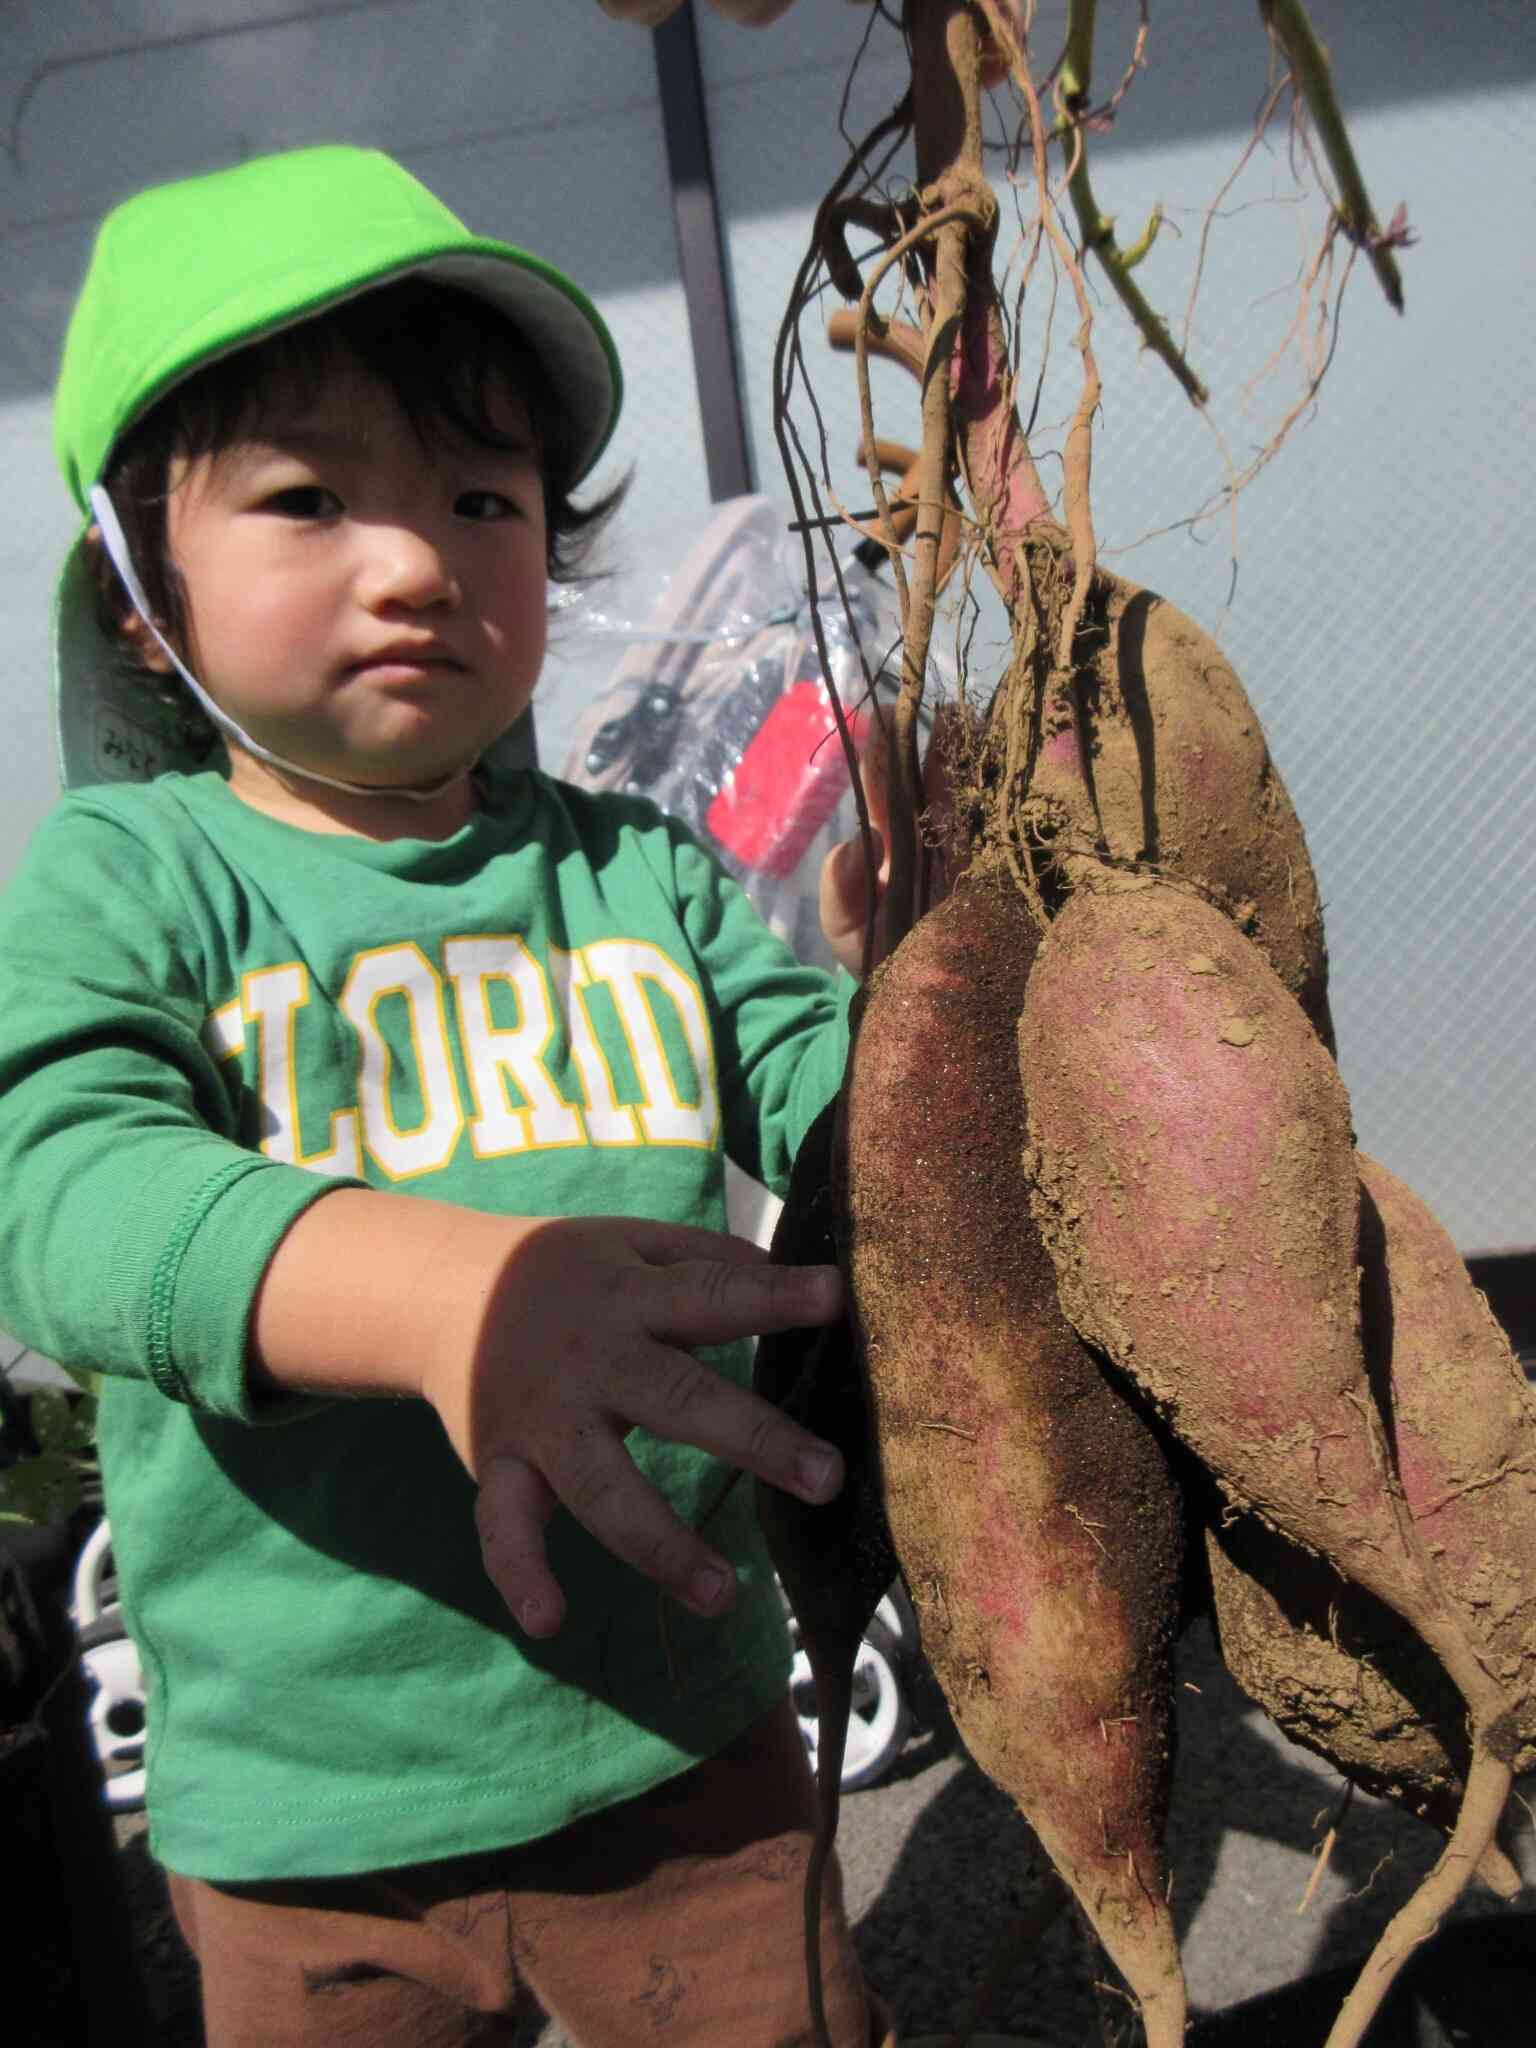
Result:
x=185 y=273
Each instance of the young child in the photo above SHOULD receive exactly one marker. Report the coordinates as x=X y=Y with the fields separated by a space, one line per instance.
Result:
x=365 y=1104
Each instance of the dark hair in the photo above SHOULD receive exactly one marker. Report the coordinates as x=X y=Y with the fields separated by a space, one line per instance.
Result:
x=444 y=354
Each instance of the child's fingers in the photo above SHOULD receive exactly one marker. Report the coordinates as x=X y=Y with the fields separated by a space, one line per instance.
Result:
x=688 y=1402
x=512 y=1507
x=715 y=1301
x=596 y=1479
x=667 y=1244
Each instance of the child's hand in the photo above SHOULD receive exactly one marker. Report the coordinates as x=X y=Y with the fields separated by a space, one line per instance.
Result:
x=588 y=1333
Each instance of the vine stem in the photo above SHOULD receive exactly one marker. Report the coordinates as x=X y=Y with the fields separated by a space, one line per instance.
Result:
x=1098 y=229
x=1292 y=29
x=945 y=37
x=865 y=320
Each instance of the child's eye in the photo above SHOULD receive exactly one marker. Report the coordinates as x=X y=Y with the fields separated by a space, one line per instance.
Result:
x=485 y=505
x=303 y=501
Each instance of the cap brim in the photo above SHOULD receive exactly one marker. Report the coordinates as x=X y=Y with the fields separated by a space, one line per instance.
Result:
x=559 y=324
x=108 y=725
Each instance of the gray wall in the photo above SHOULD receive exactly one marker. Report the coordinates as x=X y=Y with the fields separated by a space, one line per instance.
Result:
x=1381 y=563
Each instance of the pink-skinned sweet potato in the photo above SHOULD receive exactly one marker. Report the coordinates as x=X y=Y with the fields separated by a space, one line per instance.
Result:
x=1462 y=1422
x=1333 y=1667
x=1192 y=1171
x=1031 y=1506
x=1178 y=773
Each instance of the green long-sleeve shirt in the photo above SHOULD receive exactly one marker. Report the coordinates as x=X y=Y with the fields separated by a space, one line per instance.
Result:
x=207 y=1019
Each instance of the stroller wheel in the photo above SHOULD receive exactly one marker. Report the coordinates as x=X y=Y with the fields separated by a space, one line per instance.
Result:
x=117 y=1715
x=881 y=1719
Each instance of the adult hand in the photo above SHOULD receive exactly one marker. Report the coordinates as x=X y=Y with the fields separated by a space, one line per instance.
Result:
x=759 y=13
x=649 y=13
x=587 y=1333
x=846 y=903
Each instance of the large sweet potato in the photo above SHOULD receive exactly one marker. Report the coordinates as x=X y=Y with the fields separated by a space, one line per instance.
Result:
x=1193 y=1174
x=1031 y=1505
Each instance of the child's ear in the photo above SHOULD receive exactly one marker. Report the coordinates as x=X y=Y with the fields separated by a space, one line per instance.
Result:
x=142 y=644
x=133 y=635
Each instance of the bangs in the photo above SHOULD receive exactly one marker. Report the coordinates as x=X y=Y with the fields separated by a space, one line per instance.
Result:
x=450 y=361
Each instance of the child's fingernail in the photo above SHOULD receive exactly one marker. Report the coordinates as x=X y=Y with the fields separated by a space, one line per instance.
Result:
x=706 y=1586
x=819 y=1473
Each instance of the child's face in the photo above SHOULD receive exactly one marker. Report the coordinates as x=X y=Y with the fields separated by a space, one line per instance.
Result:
x=363 y=601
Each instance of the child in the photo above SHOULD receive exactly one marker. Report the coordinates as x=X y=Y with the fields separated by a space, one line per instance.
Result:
x=365 y=1106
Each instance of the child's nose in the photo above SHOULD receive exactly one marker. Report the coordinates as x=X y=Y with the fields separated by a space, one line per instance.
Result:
x=406 y=565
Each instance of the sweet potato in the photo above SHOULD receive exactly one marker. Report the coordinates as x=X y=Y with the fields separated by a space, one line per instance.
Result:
x=1192 y=1172
x=1340 y=1675
x=1336 y=1670
x=1031 y=1506
x=1462 y=1420
x=1157 y=756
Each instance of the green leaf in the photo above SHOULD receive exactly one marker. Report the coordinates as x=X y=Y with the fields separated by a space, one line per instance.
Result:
x=62 y=1422
x=41 y=1489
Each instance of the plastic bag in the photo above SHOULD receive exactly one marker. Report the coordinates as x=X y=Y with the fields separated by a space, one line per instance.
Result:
x=719 y=711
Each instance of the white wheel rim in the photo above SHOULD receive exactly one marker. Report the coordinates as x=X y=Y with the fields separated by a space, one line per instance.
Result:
x=112 y=1669
x=896 y=1622
x=874 y=1726
x=92 y=1570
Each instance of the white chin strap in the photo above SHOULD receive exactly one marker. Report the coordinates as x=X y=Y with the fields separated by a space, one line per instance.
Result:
x=116 y=546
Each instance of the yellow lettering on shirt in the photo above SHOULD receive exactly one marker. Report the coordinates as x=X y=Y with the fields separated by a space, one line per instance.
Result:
x=522 y=1032
x=401 y=975
x=496 y=1055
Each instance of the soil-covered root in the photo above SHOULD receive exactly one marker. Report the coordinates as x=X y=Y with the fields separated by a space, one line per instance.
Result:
x=1192 y=1171
x=1037 y=1525
x=1158 y=758
x=1342 y=1677
x=1333 y=1667
x=834 y=1561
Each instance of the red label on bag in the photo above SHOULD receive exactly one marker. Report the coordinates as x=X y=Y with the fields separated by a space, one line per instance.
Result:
x=787 y=783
